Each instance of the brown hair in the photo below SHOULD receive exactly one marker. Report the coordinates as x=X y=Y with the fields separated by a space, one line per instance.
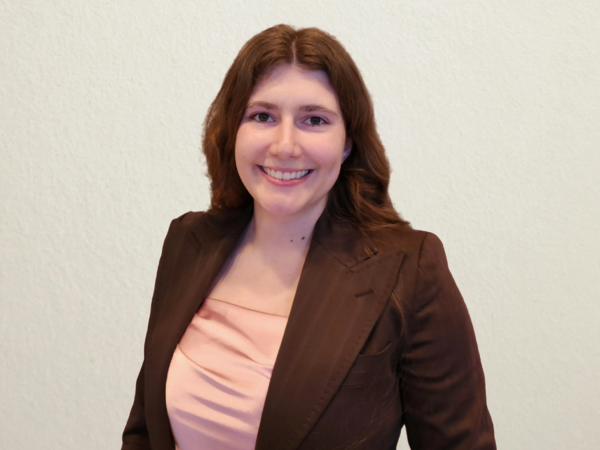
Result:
x=360 y=195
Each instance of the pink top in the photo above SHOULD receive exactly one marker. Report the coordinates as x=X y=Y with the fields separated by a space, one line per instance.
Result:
x=219 y=376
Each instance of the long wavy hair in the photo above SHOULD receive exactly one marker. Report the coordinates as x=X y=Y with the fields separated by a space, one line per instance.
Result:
x=360 y=195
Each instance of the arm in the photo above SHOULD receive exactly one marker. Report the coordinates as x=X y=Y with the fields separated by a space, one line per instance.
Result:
x=442 y=383
x=135 y=435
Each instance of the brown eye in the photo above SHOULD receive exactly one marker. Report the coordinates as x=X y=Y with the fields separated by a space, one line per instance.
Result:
x=262 y=117
x=315 y=120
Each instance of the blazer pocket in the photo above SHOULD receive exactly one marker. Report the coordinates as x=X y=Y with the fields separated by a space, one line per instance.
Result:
x=366 y=368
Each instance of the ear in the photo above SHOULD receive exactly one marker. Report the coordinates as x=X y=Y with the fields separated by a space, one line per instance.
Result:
x=347 y=149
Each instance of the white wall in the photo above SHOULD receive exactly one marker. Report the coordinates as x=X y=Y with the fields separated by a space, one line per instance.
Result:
x=490 y=114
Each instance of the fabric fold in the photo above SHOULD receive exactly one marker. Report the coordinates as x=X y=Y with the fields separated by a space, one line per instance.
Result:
x=219 y=376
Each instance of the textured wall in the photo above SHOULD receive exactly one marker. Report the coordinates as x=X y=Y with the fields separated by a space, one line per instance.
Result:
x=490 y=114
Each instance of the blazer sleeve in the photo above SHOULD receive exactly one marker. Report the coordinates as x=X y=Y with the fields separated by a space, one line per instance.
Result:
x=442 y=385
x=135 y=436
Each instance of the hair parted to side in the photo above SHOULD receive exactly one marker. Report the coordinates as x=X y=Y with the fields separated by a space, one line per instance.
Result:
x=360 y=195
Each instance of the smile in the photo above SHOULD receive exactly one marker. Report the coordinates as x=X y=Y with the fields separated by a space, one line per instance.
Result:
x=285 y=175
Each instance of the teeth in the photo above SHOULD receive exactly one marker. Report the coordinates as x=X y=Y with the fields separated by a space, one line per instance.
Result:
x=285 y=175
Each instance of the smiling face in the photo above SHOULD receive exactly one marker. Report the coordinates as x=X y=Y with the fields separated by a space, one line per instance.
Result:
x=291 y=142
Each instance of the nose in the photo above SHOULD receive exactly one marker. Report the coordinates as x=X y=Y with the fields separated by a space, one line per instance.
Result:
x=286 y=143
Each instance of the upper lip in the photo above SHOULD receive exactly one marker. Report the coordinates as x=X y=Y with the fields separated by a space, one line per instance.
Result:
x=282 y=170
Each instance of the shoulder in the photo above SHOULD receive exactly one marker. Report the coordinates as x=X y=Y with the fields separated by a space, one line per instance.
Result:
x=189 y=219
x=183 y=224
x=414 y=244
x=424 y=265
x=211 y=225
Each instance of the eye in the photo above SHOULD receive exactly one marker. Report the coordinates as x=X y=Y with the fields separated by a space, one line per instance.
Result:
x=315 y=121
x=262 y=117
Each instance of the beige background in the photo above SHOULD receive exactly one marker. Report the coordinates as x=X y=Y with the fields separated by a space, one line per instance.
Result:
x=490 y=112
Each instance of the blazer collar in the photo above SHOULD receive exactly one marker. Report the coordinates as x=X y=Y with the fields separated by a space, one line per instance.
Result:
x=344 y=286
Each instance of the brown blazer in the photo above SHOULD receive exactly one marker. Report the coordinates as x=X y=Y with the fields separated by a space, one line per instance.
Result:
x=351 y=369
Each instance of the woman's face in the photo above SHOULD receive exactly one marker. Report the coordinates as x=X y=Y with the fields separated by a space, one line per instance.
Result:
x=291 y=141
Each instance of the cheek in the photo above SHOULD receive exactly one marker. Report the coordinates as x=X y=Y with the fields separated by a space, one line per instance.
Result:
x=328 y=154
x=243 y=148
x=247 y=145
x=333 y=175
x=329 y=147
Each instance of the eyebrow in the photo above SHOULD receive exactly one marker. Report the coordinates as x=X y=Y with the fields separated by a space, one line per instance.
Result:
x=311 y=108
x=307 y=108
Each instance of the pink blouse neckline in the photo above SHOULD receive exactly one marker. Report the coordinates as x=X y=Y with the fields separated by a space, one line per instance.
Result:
x=245 y=307
x=219 y=376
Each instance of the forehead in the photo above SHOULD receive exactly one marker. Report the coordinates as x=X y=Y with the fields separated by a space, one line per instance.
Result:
x=294 y=83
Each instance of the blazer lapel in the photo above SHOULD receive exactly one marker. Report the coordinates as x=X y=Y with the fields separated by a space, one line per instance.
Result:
x=341 y=293
x=200 y=258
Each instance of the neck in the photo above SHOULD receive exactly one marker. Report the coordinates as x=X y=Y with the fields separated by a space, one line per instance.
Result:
x=289 y=233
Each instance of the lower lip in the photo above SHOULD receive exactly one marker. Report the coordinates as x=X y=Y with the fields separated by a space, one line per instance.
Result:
x=286 y=183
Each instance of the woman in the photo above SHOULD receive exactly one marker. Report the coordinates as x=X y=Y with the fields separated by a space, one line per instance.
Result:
x=300 y=311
